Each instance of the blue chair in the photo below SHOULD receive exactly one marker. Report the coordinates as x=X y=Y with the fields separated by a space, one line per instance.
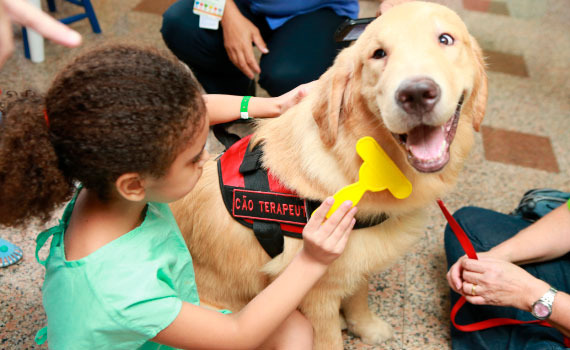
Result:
x=89 y=14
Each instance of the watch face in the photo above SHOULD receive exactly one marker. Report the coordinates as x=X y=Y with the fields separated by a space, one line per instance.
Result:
x=541 y=310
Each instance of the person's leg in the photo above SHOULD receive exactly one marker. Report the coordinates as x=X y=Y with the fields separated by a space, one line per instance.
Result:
x=300 y=51
x=486 y=229
x=296 y=332
x=203 y=49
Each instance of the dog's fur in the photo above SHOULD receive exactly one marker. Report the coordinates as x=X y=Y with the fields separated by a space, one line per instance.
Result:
x=311 y=150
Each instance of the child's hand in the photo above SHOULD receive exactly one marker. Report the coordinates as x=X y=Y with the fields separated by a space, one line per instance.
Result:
x=271 y=107
x=388 y=4
x=324 y=240
x=291 y=98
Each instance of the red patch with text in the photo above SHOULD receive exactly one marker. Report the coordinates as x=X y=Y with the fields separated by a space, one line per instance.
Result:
x=269 y=206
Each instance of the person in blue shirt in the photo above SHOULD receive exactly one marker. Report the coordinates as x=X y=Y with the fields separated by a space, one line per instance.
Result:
x=295 y=38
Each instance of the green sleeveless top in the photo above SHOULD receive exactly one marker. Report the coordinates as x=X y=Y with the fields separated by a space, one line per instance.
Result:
x=121 y=295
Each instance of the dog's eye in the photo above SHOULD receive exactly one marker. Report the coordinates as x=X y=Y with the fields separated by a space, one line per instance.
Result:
x=378 y=54
x=446 y=39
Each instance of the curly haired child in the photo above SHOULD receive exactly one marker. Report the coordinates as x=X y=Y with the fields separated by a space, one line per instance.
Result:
x=129 y=125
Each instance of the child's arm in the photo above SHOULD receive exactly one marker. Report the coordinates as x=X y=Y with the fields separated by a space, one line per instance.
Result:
x=225 y=108
x=200 y=328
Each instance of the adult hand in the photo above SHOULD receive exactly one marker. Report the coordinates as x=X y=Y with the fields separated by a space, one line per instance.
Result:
x=455 y=274
x=325 y=239
x=21 y=12
x=239 y=34
x=491 y=281
x=6 y=41
x=388 y=4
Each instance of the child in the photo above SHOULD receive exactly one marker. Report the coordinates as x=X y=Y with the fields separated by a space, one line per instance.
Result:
x=130 y=126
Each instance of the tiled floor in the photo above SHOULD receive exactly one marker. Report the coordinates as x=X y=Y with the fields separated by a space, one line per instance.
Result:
x=524 y=144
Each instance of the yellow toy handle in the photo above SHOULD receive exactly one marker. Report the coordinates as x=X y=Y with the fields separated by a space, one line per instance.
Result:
x=377 y=173
x=352 y=192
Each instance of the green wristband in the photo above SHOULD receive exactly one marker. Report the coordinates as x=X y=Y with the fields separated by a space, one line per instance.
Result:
x=243 y=112
x=568 y=204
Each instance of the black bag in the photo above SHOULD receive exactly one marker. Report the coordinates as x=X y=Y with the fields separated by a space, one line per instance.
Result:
x=538 y=202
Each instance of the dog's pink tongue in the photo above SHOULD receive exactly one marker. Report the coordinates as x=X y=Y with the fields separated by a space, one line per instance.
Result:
x=425 y=142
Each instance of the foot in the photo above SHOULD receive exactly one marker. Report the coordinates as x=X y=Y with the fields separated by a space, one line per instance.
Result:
x=373 y=330
x=343 y=324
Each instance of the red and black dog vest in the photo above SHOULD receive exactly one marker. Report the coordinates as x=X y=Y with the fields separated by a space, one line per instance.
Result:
x=257 y=200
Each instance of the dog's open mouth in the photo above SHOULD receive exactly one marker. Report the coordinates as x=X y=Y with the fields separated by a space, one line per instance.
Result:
x=428 y=146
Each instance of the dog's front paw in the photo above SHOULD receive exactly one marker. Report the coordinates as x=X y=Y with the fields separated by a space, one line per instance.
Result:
x=343 y=324
x=372 y=331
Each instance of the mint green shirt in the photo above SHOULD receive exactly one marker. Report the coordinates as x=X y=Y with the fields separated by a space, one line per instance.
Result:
x=121 y=295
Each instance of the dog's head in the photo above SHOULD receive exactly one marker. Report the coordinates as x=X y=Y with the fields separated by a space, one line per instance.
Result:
x=420 y=77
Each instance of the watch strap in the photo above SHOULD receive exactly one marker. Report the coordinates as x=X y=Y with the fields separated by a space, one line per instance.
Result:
x=548 y=297
x=546 y=300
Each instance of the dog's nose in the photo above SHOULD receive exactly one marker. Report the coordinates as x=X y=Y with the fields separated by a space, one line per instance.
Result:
x=418 y=96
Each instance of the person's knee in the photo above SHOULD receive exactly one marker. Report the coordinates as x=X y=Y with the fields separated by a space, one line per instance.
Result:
x=177 y=24
x=463 y=216
x=172 y=18
x=302 y=330
x=279 y=78
x=297 y=333
x=466 y=212
x=453 y=248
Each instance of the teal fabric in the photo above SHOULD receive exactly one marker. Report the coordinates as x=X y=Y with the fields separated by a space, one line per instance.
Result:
x=121 y=295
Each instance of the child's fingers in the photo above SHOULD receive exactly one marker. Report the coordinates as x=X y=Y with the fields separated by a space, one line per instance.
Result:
x=333 y=221
x=306 y=88
x=318 y=215
x=345 y=235
x=343 y=226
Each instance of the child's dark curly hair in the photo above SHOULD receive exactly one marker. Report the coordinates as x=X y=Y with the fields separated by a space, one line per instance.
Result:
x=113 y=110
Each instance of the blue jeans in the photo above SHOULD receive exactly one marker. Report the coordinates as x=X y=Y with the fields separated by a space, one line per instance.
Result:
x=486 y=229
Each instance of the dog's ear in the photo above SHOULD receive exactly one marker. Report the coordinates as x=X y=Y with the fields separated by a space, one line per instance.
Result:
x=478 y=98
x=332 y=97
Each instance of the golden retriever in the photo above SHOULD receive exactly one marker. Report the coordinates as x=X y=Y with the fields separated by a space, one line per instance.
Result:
x=415 y=82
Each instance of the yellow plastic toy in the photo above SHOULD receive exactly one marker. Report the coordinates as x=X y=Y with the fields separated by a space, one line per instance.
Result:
x=377 y=173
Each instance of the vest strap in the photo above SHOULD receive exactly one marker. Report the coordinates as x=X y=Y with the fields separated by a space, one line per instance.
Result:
x=267 y=233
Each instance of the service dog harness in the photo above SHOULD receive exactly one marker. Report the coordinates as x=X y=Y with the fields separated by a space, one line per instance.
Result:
x=257 y=200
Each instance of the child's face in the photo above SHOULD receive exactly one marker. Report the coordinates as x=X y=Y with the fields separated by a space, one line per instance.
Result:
x=184 y=172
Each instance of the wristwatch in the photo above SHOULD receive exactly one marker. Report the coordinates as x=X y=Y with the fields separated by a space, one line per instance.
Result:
x=542 y=308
